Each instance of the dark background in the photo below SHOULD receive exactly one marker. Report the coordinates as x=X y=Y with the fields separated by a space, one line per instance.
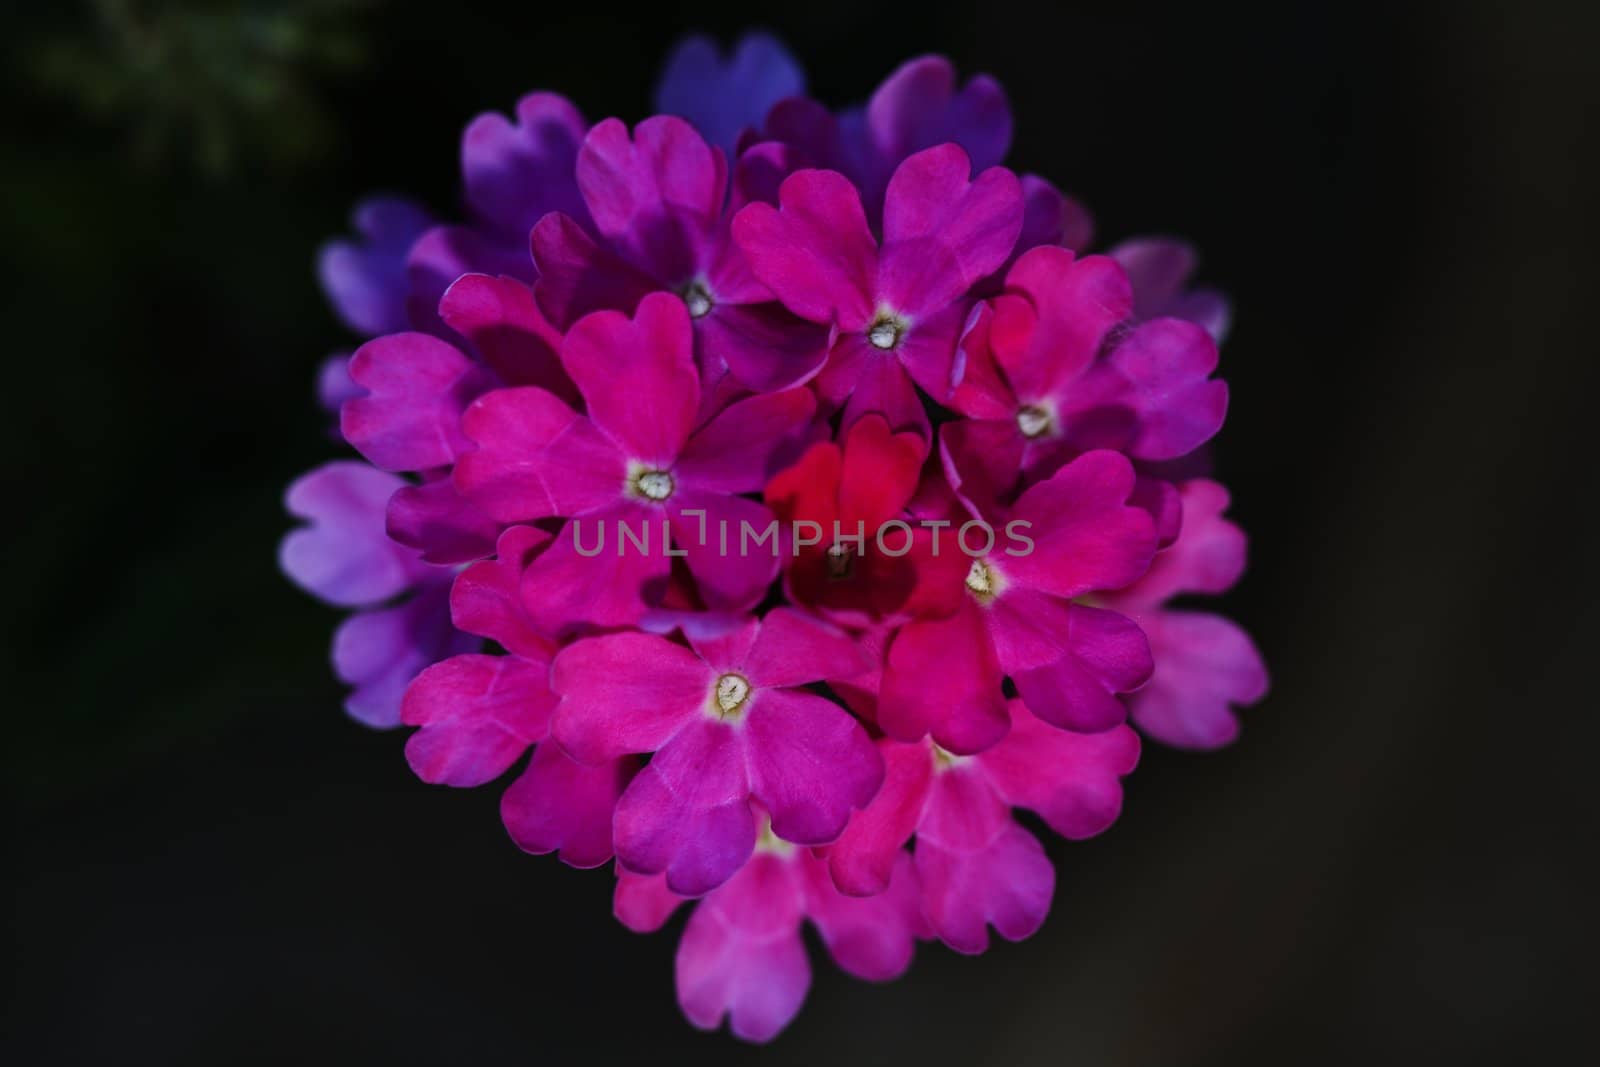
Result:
x=210 y=864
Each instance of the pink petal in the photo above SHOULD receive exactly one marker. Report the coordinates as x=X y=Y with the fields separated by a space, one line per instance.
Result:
x=688 y=812
x=625 y=693
x=1205 y=665
x=765 y=346
x=759 y=172
x=560 y=805
x=499 y=317
x=963 y=813
x=445 y=253
x=536 y=458
x=793 y=649
x=727 y=578
x=810 y=763
x=417 y=387
x=1207 y=557
x=858 y=378
x=740 y=449
x=928 y=350
x=870 y=937
x=1071 y=306
x=638 y=376
x=863 y=859
x=478 y=714
x=1073 y=780
x=743 y=958
x=1069 y=661
x=486 y=598
x=343 y=556
x=656 y=196
x=981 y=392
x=942 y=678
x=943 y=230
x=815 y=251
x=1157 y=378
x=577 y=276
x=1007 y=884
x=642 y=902
x=610 y=582
x=1085 y=535
x=982 y=459
x=516 y=173
x=440 y=523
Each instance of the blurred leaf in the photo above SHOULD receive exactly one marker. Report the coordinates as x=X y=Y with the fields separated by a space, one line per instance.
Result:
x=219 y=83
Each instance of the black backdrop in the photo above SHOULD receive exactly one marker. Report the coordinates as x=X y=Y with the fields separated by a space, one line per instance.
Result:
x=210 y=864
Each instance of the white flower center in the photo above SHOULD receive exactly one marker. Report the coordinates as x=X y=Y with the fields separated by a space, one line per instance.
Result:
x=732 y=692
x=1033 y=421
x=886 y=330
x=654 y=485
x=982 y=580
x=697 y=298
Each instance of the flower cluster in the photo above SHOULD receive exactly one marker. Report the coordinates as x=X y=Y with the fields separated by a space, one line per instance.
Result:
x=791 y=496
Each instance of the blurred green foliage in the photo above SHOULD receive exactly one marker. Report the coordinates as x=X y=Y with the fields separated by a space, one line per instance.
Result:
x=216 y=83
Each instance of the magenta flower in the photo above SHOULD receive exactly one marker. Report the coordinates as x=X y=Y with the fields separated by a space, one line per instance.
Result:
x=897 y=308
x=635 y=463
x=1205 y=664
x=775 y=499
x=1051 y=371
x=728 y=726
x=1018 y=619
x=742 y=958
x=658 y=199
x=976 y=866
x=477 y=715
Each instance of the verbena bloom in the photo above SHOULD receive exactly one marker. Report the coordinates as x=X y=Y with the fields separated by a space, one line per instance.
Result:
x=777 y=498
x=635 y=466
x=729 y=724
x=897 y=306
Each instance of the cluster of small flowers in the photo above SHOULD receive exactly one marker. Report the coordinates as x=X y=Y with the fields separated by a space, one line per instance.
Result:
x=752 y=312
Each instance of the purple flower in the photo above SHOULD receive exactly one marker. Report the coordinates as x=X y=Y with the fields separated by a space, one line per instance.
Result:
x=729 y=725
x=637 y=434
x=725 y=97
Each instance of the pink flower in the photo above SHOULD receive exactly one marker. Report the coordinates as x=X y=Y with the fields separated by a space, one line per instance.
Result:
x=636 y=461
x=658 y=199
x=1050 y=373
x=897 y=308
x=477 y=715
x=976 y=866
x=1204 y=664
x=742 y=958
x=1018 y=618
x=728 y=726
